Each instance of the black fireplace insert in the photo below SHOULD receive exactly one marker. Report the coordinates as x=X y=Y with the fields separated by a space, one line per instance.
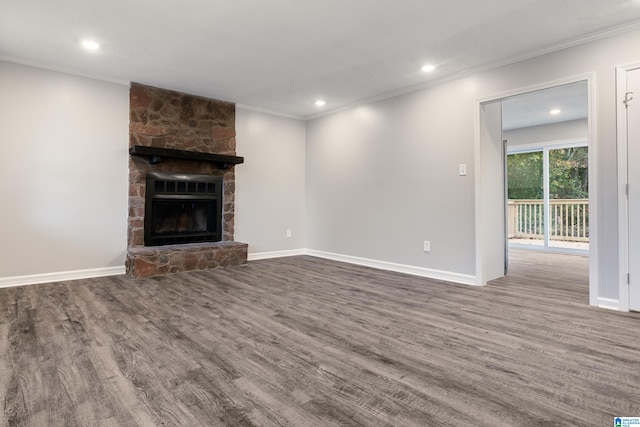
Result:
x=182 y=208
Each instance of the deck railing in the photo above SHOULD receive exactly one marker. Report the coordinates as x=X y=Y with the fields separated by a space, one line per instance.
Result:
x=569 y=219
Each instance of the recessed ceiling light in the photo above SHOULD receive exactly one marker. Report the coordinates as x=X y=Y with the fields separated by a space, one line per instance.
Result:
x=428 y=68
x=555 y=111
x=91 y=45
x=320 y=102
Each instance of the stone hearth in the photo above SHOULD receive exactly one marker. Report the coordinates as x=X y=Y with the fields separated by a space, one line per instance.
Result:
x=159 y=260
x=167 y=119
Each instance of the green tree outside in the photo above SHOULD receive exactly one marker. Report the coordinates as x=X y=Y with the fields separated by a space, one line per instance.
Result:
x=568 y=179
x=568 y=174
x=525 y=175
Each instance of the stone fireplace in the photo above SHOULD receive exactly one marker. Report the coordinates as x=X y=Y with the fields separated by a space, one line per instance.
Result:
x=184 y=146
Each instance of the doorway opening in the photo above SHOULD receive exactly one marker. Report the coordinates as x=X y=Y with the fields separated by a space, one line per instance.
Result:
x=546 y=130
x=547 y=164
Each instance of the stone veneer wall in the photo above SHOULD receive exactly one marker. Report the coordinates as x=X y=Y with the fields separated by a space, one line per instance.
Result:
x=168 y=119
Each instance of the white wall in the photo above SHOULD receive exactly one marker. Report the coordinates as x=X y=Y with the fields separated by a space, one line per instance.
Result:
x=64 y=177
x=382 y=177
x=63 y=174
x=270 y=184
x=572 y=129
x=376 y=181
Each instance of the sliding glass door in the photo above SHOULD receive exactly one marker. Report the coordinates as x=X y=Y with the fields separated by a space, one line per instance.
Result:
x=548 y=198
x=525 y=193
x=569 y=198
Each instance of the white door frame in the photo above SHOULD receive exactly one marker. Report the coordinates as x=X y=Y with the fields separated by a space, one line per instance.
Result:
x=489 y=189
x=483 y=263
x=623 y=208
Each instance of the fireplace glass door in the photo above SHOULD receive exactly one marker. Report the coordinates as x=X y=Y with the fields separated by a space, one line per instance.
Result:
x=182 y=208
x=182 y=216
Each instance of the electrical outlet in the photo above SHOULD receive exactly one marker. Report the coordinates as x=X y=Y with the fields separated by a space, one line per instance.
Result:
x=427 y=246
x=462 y=169
x=288 y=233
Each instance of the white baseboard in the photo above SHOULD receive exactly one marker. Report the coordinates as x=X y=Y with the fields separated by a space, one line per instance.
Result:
x=275 y=254
x=400 y=268
x=609 y=304
x=34 y=279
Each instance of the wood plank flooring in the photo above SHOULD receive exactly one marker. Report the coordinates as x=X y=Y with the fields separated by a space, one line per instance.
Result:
x=303 y=341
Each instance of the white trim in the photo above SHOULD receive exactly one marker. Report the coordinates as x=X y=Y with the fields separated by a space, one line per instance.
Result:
x=448 y=276
x=478 y=217
x=268 y=111
x=609 y=304
x=65 y=70
x=545 y=196
x=595 y=36
x=550 y=249
x=539 y=146
x=593 y=190
x=623 y=214
x=500 y=96
x=274 y=254
x=599 y=35
x=485 y=178
x=593 y=172
x=623 y=208
x=33 y=279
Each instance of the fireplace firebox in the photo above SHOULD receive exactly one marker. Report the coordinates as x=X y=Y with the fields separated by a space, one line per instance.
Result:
x=182 y=208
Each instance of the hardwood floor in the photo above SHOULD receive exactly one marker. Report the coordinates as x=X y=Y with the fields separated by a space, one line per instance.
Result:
x=303 y=341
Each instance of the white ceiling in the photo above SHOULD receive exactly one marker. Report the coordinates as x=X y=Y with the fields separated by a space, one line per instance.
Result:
x=282 y=55
x=533 y=109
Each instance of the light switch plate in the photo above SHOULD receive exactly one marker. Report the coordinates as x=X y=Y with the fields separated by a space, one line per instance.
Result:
x=462 y=169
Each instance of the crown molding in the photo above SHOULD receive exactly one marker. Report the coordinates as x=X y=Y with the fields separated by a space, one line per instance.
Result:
x=268 y=111
x=592 y=37
x=65 y=70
